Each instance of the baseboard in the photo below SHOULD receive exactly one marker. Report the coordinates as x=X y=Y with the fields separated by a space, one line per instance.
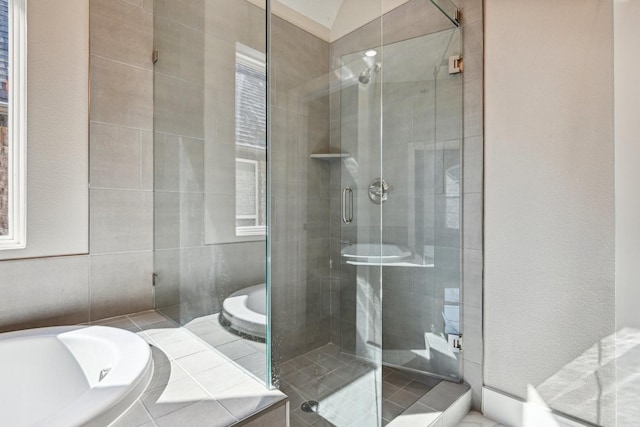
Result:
x=514 y=412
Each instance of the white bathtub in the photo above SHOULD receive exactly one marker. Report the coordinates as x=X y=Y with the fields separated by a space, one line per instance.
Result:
x=246 y=311
x=70 y=375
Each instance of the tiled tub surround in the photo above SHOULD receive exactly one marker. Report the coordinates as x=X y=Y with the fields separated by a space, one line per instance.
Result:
x=193 y=384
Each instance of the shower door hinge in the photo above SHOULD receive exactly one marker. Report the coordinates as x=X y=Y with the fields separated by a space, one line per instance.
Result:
x=455 y=343
x=154 y=284
x=155 y=56
x=455 y=64
x=458 y=16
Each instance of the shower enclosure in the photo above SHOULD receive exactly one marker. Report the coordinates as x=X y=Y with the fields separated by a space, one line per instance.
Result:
x=366 y=151
x=346 y=201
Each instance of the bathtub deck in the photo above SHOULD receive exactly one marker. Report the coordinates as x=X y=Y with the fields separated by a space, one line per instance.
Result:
x=249 y=354
x=193 y=383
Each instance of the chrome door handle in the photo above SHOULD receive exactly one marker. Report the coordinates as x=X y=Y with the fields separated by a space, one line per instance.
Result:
x=347 y=205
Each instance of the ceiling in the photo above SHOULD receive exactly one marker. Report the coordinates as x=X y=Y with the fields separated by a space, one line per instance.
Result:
x=330 y=19
x=323 y=12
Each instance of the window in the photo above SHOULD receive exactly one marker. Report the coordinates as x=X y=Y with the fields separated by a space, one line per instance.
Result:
x=247 y=199
x=12 y=124
x=251 y=142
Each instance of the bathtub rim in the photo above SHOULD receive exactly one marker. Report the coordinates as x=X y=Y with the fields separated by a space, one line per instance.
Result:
x=114 y=399
x=238 y=322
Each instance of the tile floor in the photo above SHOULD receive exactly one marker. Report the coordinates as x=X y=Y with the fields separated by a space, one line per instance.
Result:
x=193 y=383
x=345 y=388
x=250 y=354
x=197 y=380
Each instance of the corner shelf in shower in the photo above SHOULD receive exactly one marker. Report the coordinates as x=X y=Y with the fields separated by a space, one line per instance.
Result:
x=330 y=156
x=415 y=262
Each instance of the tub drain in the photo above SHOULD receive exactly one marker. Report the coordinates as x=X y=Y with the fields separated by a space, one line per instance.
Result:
x=309 y=406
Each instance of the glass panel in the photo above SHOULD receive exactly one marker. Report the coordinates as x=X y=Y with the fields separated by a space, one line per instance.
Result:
x=361 y=253
x=422 y=124
x=210 y=171
x=449 y=9
x=326 y=319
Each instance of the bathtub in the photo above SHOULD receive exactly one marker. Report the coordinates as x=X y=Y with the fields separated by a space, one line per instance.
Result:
x=245 y=311
x=71 y=375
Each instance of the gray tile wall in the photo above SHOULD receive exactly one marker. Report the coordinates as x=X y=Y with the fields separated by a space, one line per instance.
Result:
x=300 y=275
x=114 y=278
x=44 y=292
x=473 y=194
x=121 y=157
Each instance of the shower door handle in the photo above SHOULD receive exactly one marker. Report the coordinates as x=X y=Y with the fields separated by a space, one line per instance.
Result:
x=347 y=205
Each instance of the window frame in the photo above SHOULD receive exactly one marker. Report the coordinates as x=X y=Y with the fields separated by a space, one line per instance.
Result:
x=17 y=132
x=256 y=204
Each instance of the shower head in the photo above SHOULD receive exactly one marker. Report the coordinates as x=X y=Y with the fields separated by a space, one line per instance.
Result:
x=365 y=75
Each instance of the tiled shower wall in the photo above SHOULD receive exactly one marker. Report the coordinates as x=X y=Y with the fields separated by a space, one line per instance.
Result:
x=473 y=194
x=114 y=278
x=300 y=278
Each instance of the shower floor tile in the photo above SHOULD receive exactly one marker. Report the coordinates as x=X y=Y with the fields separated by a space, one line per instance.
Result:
x=345 y=388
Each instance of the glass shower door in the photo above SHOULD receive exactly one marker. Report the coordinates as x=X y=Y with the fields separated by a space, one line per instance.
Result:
x=401 y=125
x=362 y=192
x=422 y=217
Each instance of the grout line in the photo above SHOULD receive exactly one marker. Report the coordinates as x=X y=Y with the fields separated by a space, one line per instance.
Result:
x=247 y=377
x=117 y=125
x=137 y=67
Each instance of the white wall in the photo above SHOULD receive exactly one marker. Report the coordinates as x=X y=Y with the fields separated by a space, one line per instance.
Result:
x=549 y=204
x=627 y=142
x=627 y=128
x=57 y=129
